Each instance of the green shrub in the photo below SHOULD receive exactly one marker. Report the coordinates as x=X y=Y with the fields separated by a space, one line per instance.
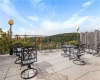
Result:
x=74 y=42
x=52 y=45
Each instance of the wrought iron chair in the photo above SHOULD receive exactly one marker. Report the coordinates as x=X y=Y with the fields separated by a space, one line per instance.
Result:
x=97 y=50
x=65 y=51
x=29 y=56
x=18 y=52
x=77 y=56
x=82 y=48
x=90 y=47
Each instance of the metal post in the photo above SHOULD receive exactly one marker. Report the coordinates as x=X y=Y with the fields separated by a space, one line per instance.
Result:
x=11 y=22
x=11 y=35
x=11 y=50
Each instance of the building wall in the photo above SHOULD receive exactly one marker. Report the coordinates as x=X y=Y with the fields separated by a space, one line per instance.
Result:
x=90 y=38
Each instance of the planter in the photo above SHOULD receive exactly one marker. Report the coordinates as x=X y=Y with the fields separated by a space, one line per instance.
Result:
x=11 y=52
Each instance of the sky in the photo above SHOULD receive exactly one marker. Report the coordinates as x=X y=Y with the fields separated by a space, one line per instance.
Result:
x=49 y=17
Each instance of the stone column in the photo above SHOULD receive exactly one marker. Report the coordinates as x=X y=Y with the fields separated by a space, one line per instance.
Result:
x=86 y=36
x=96 y=38
x=81 y=38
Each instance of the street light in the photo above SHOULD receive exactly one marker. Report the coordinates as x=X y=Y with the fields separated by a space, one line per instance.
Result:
x=77 y=28
x=11 y=22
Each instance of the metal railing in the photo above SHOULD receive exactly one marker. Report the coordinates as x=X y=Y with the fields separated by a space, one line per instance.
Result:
x=38 y=41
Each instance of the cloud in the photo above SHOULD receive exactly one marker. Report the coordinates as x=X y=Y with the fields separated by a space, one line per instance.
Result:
x=7 y=7
x=88 y=22
x=47 y=27
x=94 y=23
x=72 y=22
x=38 y=4
x=69 y=23
x=87 y=4
x=50 y=25
x=35 y=2
x=33 y=18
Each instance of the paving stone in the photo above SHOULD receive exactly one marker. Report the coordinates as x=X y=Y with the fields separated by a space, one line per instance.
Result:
x=53 y=77
x=3 y=74
x=95 y=75
x=62 y=77
x=58 y=67
x=79 y=70
x=68 y=72
x=4 y=67
x=44 y=65
x=60 y=59
x=1 y=79
x=2 y=58
x=46 y=73
x=14 y=77
x=40 y=75
x=13 y=65
x=91 y=76
x=50 y=70
x=13 y=71
x=53 y=61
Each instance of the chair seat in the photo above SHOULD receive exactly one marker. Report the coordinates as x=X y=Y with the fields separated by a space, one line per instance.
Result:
x=78 y=54
x=97 y=50
x=18 y=53
x=28 y=61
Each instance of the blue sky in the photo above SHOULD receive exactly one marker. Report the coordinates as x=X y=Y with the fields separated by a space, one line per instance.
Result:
x=48 y=17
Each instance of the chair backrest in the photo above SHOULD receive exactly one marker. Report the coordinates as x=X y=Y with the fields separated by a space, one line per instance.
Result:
x=17 y=48
x=91 y=46
x=98 y=46
x=17 y=45
x=29 y=55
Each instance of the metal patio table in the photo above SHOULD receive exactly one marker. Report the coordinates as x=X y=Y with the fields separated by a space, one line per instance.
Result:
x=70 y=49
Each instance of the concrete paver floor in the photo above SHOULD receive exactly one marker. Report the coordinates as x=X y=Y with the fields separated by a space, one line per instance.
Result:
x=52 y=66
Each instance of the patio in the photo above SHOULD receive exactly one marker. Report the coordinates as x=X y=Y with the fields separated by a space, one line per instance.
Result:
x=52 y=66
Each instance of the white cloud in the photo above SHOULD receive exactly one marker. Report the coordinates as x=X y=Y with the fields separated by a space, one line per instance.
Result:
x=93 y=24
x=22 y=30
x=72 y=22
x=33 y=18
x=87 y=4
x=35 y=2
x=86 y=23
x=7 y=7
x=38 y=4
x=50 y=25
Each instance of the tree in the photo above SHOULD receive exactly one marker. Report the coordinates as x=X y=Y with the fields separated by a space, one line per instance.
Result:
x=4 y=41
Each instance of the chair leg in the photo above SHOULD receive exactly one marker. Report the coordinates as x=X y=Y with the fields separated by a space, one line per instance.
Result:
x=17 y=60
x=78 y=61
x=24 y=73
x=29 y=66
